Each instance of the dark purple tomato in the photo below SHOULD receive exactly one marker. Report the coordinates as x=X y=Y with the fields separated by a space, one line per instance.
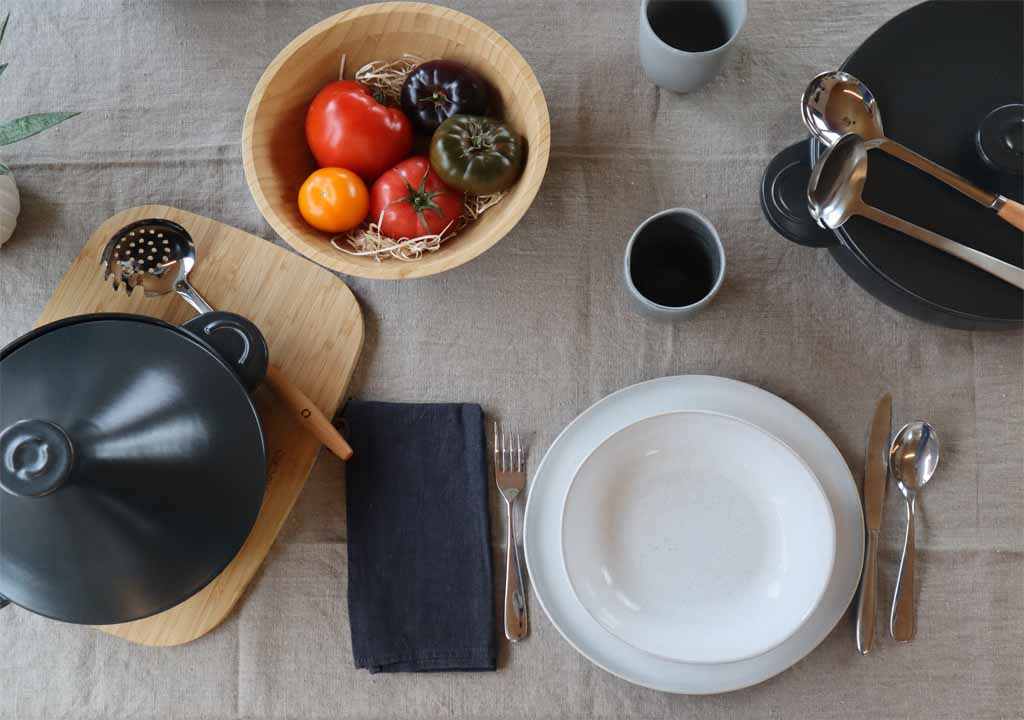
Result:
x=438 y=89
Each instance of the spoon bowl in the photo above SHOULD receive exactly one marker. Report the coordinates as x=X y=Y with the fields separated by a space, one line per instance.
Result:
x=836 y=103
x=837 y=182
x=913 y=456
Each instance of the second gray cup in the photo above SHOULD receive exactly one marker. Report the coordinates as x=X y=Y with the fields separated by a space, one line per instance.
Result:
x=684 y=43
x=674 y=264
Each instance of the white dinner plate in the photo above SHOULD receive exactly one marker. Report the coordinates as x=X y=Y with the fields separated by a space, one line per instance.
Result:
x=542 y=528
x=697 y=537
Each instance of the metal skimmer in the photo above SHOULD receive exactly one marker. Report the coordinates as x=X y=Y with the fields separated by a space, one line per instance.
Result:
x=156 y=255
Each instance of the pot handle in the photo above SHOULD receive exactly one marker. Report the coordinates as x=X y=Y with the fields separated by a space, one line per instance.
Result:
x=784 y=198
x=237 y=340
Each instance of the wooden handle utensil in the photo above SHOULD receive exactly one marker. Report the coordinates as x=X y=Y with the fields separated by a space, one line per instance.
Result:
x=1013 y=213
x=307 y=413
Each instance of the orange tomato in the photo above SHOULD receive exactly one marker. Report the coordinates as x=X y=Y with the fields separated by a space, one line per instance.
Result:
x=334 y=200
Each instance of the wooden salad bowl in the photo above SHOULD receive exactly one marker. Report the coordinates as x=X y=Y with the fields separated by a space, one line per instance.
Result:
x=277 y=159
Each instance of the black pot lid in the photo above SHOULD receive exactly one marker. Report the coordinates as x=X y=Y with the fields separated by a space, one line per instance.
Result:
x=938 y=71
x=133 y=468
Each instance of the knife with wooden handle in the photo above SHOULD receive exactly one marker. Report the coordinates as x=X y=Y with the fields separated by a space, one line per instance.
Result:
x=876 y=473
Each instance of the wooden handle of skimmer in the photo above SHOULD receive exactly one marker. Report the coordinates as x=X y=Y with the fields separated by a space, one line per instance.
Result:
x=307 y=413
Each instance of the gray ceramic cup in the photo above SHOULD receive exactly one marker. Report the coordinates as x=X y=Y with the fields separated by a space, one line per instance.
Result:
x=665 y=21
x=696 y=260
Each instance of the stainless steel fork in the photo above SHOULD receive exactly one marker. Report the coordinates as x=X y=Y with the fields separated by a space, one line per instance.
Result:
x=510 y=475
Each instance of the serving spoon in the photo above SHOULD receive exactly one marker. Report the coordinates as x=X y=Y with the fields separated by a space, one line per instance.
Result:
x=158 y=255
x=836 y=103
x=913 y=457
x=835 y=194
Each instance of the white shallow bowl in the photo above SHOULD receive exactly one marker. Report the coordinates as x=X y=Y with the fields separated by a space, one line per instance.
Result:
x=697 y=537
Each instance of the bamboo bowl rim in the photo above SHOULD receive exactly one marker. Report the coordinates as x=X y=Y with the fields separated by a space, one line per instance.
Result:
x=471 y=242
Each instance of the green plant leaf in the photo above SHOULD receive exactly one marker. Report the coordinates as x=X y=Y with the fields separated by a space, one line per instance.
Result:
x=2 y=68
x=20 y=128
x=4 y=169
x=3 y=27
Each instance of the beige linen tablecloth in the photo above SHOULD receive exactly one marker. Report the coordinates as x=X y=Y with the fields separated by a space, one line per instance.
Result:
x=536 y=330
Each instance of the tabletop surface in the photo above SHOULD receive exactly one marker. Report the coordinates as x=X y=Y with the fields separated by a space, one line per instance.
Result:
x=536 y=330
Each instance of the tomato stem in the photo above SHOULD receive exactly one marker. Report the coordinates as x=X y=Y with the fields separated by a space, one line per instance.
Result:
x=438 y=98
x=481 y=138
x=421 y=200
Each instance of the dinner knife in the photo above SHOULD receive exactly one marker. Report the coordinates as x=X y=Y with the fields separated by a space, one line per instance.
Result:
x=876 y=472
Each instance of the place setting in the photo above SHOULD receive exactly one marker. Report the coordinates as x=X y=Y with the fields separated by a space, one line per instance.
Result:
x=691 y=533
x=711 y=534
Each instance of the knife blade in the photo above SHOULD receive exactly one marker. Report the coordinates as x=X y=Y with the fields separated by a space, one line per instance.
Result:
x=876 y=473
x=876 y=466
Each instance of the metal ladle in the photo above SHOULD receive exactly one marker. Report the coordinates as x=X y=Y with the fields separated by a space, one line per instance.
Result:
x=158 y=255
x=834 y=195
x=913 y=457
x=836 y=103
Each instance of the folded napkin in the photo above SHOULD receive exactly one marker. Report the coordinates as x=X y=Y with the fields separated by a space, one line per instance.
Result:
x=420 y=589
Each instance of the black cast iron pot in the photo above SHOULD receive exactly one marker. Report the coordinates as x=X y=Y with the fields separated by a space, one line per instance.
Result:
x=132 y=462
x=943 y=74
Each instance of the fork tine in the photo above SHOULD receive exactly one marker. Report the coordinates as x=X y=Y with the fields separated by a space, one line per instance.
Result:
x=497 y=448
x=506 y=448
x=519 y=452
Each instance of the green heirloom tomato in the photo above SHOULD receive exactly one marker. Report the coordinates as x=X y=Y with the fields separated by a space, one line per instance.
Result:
x=476 y=154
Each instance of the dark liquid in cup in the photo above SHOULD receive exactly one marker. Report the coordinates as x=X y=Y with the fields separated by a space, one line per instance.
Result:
x=671 y=262
x=690 y=25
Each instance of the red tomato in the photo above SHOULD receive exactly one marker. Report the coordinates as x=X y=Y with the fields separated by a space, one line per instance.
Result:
x=413 y=201
x=346 y=127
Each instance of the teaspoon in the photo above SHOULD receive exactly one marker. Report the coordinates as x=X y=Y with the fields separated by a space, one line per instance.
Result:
x=834 y=195
x=913 y=456
x=836 y=103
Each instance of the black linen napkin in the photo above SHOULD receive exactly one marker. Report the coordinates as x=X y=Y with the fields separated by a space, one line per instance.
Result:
x=420 y=588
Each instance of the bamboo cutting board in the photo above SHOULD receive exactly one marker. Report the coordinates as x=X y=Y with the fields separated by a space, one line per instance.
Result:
x=314 y=329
